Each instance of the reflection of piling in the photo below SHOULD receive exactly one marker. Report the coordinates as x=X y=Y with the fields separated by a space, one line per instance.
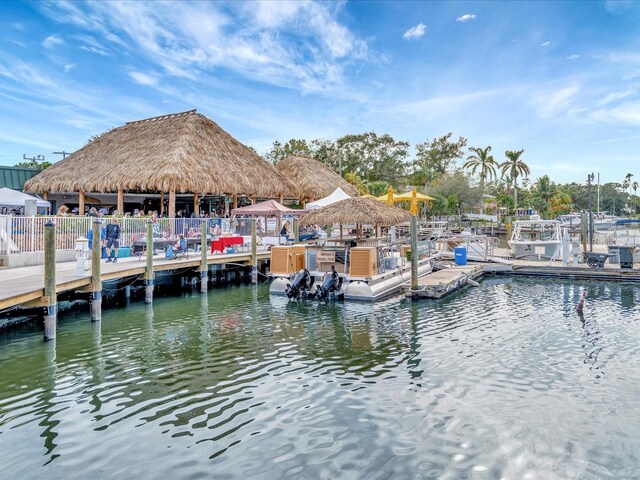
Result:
x=96 y=283
x=148 y=293
x=414 y=253
x=254 y=253
x=51 y=318
x=204 y=269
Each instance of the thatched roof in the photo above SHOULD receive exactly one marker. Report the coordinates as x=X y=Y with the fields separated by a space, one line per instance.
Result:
x=313 y=179
x=368 y=211
x=183 y=151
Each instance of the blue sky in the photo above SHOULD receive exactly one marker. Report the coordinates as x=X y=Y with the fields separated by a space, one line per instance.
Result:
x=559 y=79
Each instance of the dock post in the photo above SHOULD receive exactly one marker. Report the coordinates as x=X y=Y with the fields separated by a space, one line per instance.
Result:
x=127 y=292
x=414 y=253
x=96 y=282
x=148 y=293
x=254 y=252
x=204 y=268
x=51 y=318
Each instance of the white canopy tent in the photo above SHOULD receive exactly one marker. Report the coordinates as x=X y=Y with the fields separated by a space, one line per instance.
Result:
x=14 y=198
x=337 y=195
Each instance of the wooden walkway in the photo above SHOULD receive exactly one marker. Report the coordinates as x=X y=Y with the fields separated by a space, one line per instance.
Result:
x=445 y=281
x=25 y=285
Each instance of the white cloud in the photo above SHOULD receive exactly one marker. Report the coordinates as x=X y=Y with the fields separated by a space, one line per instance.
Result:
x=573 y=57
x=556 y=103
x=545 y=44
x=614 y=96
x=144 y=79
x=298 y=45
x=466 y=17
x=52 y=41
x=626 y=113
x=415 y=32
x=68 y=67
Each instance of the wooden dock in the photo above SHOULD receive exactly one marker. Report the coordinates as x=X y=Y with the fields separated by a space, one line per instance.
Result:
x=443 y=282
x=25 y=286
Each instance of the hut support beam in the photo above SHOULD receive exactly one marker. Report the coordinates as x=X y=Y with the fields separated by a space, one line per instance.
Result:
x=161 y=203
x=254 y=199
x=235 y=200
x=120 y=206
x=172 y=203
x=45 y=196
x=281 y=199
x=196 y=205
x=80 y=203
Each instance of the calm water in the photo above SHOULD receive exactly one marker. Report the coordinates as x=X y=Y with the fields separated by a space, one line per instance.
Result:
x=504 y=380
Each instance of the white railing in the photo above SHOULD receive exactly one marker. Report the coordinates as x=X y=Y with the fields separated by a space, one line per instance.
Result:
x=26 y=234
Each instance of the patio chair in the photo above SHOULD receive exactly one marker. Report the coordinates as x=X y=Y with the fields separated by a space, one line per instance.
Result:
x=182 y=251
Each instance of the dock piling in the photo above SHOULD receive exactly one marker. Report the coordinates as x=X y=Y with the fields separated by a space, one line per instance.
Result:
x=51 y=318
x=204 y=268
x=254 y=253
x=414 y=253
x=96 y=283
x=149 y=276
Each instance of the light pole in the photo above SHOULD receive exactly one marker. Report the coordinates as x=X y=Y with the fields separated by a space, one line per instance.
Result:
x=590 y=178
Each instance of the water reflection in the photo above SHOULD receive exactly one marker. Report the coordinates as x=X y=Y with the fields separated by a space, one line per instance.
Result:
x=496 y=381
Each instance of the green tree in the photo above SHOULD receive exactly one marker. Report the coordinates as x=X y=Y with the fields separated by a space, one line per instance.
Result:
x=357 y=182
x=435 y=158
x=457 y=184
x=513 y=167
x=372 y=157
x=484 y=163
x=377 y=188
x=635 y=186
x=559 y=204
x=34 y=164
x=292 y=147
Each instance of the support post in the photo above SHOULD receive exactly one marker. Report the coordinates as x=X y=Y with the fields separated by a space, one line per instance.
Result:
x=172 y=203
x=196 y=205
x=235 y=200
x=296 y=235
x=51 y=318
x=204 y=268
x=149 y=276
x=254 y=199
x=45 y=196
x=590 y=225
x=281 y=199
x=254 y=252
x=414 y=253
x=81 y=203
x=161 y=203
x=96 y=282
x=120 y=206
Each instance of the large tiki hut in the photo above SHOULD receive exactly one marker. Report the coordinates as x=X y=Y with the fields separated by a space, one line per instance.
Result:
x=312 y=178
x=182 y=153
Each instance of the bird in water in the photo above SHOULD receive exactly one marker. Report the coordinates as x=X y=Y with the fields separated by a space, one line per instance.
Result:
x=580 y=306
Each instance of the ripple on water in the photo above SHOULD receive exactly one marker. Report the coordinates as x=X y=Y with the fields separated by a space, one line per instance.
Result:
x=499 y=381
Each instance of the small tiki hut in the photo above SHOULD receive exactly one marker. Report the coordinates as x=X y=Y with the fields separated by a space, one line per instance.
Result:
x=358 y=210
x=312 y=178
x=178 y=153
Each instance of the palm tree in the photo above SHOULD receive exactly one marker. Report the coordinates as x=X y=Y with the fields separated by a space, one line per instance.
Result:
x=635 y=186
x=483 y=162
x=513 y=167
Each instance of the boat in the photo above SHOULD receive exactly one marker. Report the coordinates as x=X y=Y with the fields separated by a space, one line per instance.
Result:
x=601 y=221
x=536 y=239
x=348 y=269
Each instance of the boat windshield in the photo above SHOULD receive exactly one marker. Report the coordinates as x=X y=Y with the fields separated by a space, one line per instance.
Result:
x=536 y=232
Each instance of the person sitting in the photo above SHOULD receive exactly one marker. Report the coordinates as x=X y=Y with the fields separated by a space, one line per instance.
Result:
x=285 y=230
x=63 y=211
x=192 y=233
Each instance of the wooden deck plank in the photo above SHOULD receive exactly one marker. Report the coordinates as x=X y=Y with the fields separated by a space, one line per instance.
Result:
x=26 y=284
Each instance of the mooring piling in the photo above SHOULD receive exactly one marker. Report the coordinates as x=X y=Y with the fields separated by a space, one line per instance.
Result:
x=96 y=283
x=254 y=252
x=204 y=268
x=414 y=253
x=149 y=276
x=51 y=317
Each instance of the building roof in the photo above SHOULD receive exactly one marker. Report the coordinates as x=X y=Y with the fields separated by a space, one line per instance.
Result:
x=186 y=152
x=15 y=177
x=313 y=179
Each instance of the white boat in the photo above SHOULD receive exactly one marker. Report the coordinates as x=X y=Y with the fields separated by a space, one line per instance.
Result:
x=366 y=273
x=536 y=239
x=601 y=221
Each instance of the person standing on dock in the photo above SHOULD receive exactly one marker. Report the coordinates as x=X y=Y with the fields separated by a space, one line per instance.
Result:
x=113 y=237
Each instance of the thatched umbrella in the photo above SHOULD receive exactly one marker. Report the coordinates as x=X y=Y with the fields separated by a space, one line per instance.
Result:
x=182 y=152
x=358 y=210
x=312 y=178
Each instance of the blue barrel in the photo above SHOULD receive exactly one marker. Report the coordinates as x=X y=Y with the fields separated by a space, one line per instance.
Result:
x=460 y=254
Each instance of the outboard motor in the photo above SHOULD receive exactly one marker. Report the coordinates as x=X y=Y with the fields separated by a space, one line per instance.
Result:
x=329 y=285
x=300 y=286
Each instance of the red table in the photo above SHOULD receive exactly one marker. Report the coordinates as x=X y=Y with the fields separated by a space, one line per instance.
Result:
x=224 y=242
